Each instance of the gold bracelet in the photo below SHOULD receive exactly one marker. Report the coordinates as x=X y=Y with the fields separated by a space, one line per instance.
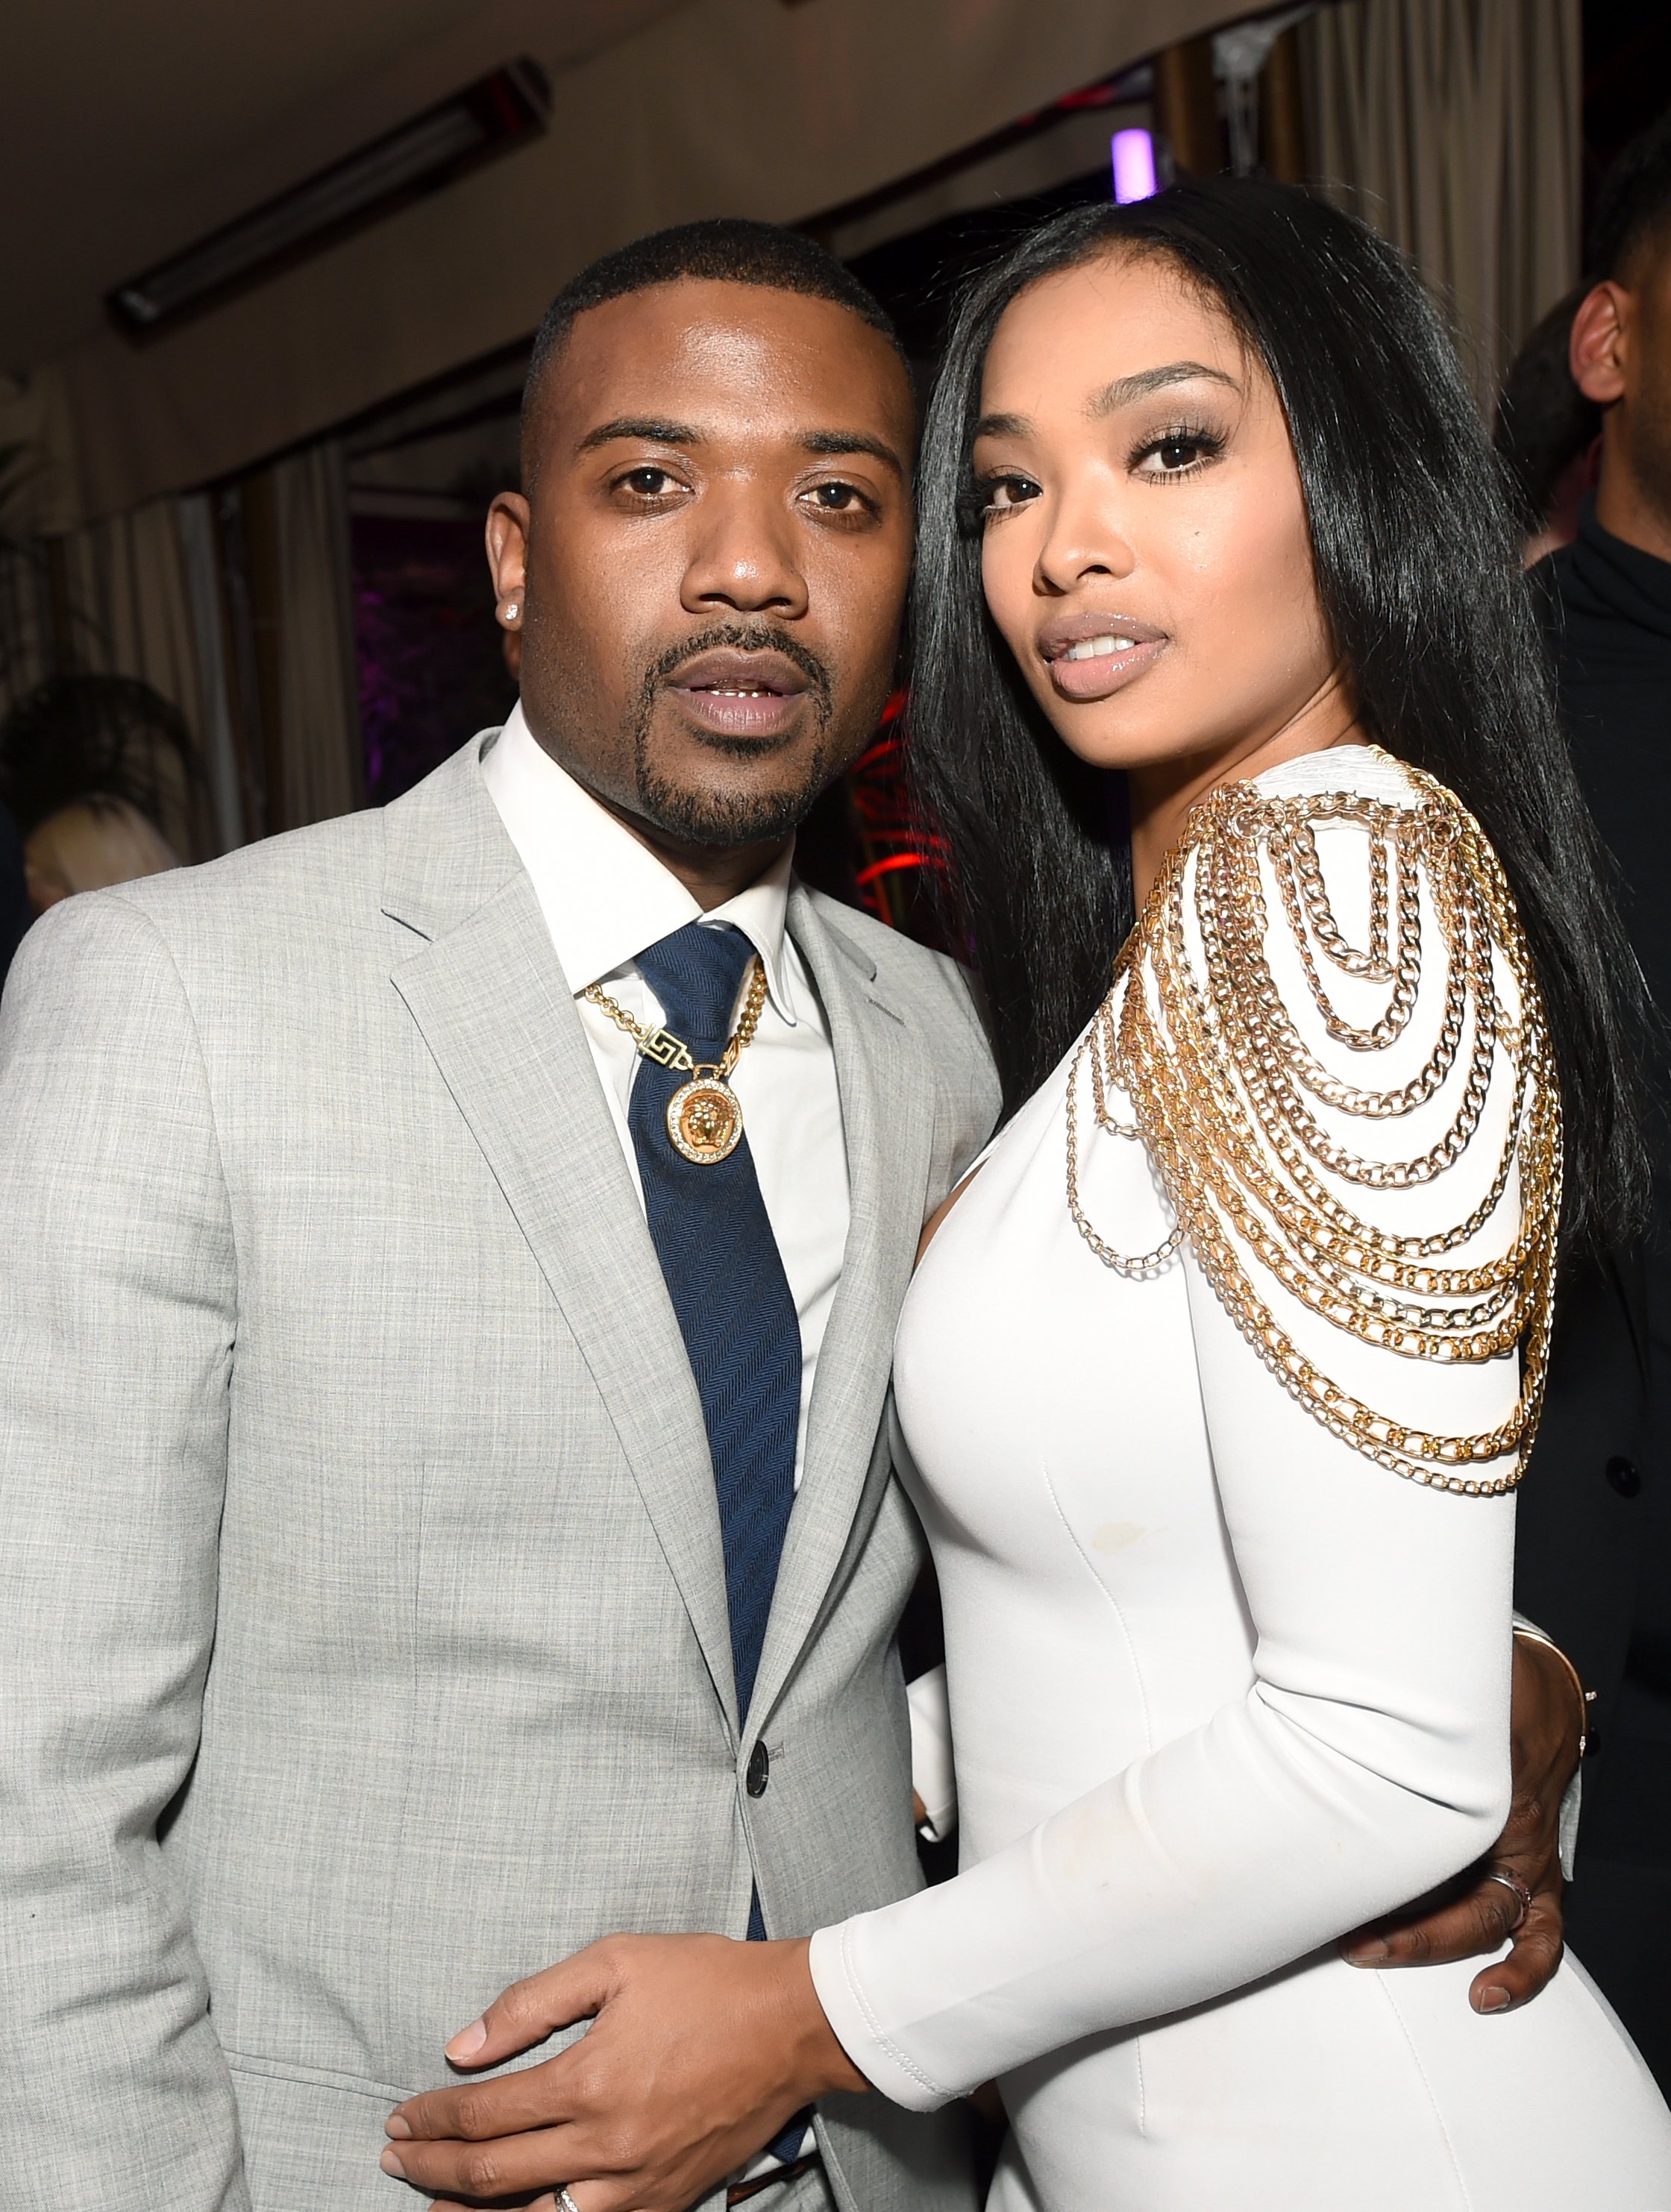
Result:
x=1586 y=1697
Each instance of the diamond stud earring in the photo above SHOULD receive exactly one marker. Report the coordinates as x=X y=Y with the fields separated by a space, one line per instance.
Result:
x=510 y=611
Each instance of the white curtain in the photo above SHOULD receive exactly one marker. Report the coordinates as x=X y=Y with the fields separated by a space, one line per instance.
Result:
x=145 y=594
x=315 y=764
x=1454 y=127
x=126 y=599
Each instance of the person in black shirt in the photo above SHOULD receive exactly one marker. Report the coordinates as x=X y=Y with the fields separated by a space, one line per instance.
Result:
x=1594 y=1564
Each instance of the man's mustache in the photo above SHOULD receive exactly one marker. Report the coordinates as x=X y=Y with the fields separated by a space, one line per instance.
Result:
x=741 y=637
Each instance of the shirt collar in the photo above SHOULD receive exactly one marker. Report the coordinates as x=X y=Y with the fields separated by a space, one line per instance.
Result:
x=604 y=896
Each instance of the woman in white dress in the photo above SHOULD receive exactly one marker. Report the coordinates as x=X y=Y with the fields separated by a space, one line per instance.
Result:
x=1216 y=1378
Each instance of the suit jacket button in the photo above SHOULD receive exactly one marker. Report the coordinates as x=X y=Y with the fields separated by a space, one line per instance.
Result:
x=1625 y=1476
x=759 y=1771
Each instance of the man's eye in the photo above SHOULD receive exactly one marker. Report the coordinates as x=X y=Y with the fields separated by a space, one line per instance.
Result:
x=647 y=483
x=837 y=498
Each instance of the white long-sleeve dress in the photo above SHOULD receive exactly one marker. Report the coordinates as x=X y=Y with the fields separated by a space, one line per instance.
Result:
x=1222 y=1688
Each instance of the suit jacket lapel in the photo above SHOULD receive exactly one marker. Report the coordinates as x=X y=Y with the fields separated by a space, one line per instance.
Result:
x=888 y=1120
x=497 y=1016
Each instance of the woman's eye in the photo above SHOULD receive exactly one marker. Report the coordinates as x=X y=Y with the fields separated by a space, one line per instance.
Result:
x=648 y=483
x=1178 y=454
x=1000 y=493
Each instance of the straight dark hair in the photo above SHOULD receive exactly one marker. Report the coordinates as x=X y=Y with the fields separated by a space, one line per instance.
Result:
x=1415 y=555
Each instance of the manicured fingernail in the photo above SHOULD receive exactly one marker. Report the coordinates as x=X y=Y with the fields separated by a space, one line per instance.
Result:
x=395 y=2126
x=391 y=2164
x=1369 y=1953
x=468 y=2040
x=1495 y=2001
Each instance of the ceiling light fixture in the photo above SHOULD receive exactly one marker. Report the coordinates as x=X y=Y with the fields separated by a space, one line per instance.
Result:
x=487 y=118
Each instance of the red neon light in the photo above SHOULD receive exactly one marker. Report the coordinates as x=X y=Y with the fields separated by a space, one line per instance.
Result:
x=887 y=867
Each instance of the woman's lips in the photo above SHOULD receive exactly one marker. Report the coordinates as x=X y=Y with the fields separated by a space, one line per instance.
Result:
x=1097 y=667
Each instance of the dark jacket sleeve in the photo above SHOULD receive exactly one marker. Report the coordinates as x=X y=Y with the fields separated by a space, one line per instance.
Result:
x=1579 y=1521
x=14 y=914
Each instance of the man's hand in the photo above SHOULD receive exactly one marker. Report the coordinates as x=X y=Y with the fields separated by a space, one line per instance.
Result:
x=1476 y=1913
x=701 y=2050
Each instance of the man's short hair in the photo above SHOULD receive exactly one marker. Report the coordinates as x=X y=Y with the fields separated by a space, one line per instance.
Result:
x=728 y=249
x=1634 y=210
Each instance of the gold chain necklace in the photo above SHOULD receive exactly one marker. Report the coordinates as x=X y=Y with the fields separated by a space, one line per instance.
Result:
x=1219 y=1079
x=704 y=1115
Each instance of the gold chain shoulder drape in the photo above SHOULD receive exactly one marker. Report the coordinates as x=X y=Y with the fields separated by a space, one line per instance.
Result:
x=1222 y=1089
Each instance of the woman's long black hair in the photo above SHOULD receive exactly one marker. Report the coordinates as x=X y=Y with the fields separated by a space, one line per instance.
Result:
x=1417 y=568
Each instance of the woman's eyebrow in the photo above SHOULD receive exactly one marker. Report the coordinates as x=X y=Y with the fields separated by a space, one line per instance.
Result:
x=1004 y=425
x=1124 y=389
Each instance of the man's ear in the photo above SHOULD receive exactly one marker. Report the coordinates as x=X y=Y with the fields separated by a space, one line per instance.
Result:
x=1601 y=332
x=508 y=555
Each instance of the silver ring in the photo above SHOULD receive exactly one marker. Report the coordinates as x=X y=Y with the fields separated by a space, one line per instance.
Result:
x=1511 y=1881
x=565 y=2202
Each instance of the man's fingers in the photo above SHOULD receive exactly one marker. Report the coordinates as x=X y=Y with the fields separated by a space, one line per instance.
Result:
x=1528 y=1968
x=1480 y=1920
x=528 y=2012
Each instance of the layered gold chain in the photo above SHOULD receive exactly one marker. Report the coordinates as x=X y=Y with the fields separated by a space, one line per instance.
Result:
x=1222 y=1086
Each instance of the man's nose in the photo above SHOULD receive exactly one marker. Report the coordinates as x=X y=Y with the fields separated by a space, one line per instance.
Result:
x=744 y=558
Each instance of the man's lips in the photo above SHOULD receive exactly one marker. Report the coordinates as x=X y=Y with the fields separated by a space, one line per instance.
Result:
x=1093 y=655
x=740 y=695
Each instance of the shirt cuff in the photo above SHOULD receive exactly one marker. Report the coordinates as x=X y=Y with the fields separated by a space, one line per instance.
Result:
x=932 y=1774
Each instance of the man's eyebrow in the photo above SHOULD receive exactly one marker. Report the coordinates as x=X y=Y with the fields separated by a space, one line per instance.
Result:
x=835 y=442
x=648 y=428
x=1124 y=389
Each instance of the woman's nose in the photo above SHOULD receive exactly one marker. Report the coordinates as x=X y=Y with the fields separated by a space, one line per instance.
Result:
x=1084 y=537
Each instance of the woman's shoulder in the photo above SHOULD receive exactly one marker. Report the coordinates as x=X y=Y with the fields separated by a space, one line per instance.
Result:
x=1334 y=1045
x=1364 y=771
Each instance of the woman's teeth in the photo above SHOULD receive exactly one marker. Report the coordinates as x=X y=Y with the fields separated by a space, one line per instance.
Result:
x=1097 y=648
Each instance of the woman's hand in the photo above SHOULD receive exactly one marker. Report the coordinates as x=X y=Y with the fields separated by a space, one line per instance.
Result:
x=1477 y=1912
x=701 y=2050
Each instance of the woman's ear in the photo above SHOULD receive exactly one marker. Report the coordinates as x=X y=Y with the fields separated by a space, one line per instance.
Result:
x=1600 y=341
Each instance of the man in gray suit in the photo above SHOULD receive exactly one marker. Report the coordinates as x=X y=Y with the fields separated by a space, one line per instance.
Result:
x=450 y=1263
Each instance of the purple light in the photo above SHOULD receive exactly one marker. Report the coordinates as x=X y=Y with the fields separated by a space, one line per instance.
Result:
x=1134 y=165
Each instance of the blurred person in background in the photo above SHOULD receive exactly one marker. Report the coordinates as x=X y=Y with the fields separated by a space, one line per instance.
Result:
x=1547 y=431
x=118 y=736
x=90 y=846
x=1594 y=1555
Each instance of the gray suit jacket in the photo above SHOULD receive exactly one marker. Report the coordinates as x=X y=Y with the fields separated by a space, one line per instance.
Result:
x=362 y=1627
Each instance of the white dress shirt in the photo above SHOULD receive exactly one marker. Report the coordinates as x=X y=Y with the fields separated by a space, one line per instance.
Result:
x=606 y=898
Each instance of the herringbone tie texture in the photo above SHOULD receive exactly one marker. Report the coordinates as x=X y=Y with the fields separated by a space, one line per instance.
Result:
x=725 y=1274
x=720 y=1262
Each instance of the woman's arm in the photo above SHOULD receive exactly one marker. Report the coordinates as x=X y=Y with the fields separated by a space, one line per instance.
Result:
x=1368 y=1763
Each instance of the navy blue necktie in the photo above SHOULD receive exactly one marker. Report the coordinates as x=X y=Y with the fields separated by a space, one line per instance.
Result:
x=721 y=1264
x=725 y=1276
